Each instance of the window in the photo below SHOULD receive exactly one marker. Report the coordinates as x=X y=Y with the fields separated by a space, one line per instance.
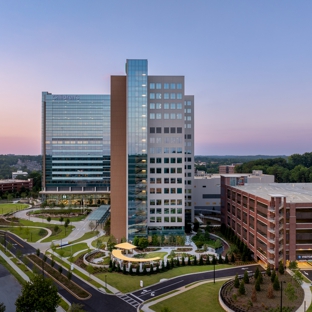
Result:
x=158 y=150
x=152 y=140
x=172 y=116
x=152 y=130
x=166 y=129
x=179 y=180
x=166 y=180
x=173 y=150
x=166 y=116
x=158 y=180
x=158 y=140
x=166 y=105
x=172 y=191
x=152 y=85
x=152 y=211
x=166 y=96
x=172 y=170
x=152 y=190
x=179 y=190
x=152 y=116
x=172 y=130
x=172 y=106
x=152 y=96
x=152 y=202
x=166 y=203
x=166 y=160
x=179 y=150
x=167 y=140
x=166 y=219
x=152 y=219
x=172 y=96
x=158 y=105
x=158 y=96
x=179 y=210
x=172 y=86
x=179 y=105
x=158 y=85
x=152 y=160
x=172 y=202
x=179 y=170
x=158 y=130
x=179 y=219
x=179 y=202
x=152 y=170
x=158 y=219
x=179 y=85
x=189 y=118
x=152 y=105
x=172 y=219
x=189 y=110
x=158 y=170
x=179 y=96
x=158 y=202
x=166 y=190
x=179 y=160
x=158 y=116
x=179 y=116
x=152 y=150
x=172 y=210
x=189 y=103
x=158 y=210
x=158 y=160
x=166 y=85
x=166 y=150
x=172 y=160
x=166 y=170
x=172 y=180
x=152 y=180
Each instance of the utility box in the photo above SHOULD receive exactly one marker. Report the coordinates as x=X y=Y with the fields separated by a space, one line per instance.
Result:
x=141 y=283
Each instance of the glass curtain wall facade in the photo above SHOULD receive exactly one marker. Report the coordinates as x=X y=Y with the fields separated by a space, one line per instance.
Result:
x=137 y=146
x=76 y=142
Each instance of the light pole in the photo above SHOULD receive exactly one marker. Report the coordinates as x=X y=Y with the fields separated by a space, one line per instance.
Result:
x=282 y=295
x=214 y=270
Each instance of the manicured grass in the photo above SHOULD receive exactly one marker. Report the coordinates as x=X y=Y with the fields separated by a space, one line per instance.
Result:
x=154 y=255
x=198 y=299
x=7 y=208
x=127 y=283
x=29 y=233
x=68 y=250
x=103 y=239
x=310 y=307
x=86 y=236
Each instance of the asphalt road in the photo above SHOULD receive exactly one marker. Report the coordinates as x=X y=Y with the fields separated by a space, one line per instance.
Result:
x=307 y=273
x=128 y=302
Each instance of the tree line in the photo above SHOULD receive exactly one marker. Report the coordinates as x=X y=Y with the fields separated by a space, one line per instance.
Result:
x=295 y=168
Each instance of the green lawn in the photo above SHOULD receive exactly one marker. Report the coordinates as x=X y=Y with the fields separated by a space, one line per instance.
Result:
x=199 y=299
x=6 y=208
x=154 y=255
x=127 y=283
x=29 y=233
x=103 y=238
x=310 y=307
x=68 y=250
x=86 y=236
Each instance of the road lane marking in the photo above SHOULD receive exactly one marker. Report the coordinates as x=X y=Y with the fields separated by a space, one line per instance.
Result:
x=160 y=288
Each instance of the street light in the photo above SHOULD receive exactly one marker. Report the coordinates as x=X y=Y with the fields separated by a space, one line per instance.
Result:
x=282 y=295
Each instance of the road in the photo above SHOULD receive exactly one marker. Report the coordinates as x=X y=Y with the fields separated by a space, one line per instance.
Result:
x=128 y=302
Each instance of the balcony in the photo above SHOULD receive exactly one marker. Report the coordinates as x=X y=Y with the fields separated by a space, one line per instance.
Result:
x=271 y=230
x=272 y=241
x=271 y=251
x=271 y=220
x=271 y=209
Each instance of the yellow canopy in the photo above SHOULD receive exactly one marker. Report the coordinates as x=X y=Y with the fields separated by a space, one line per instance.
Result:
x=119 y=255
x=126 y=246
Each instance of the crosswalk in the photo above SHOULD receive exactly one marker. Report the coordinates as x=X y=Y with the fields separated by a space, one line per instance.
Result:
x=130 y=299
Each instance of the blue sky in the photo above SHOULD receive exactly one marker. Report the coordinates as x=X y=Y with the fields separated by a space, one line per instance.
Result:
x=248 y=63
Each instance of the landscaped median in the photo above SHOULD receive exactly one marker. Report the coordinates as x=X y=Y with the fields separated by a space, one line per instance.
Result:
x=58 y=277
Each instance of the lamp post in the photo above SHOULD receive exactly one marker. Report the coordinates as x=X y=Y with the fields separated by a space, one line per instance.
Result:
x=282 y=295
x=214 y=271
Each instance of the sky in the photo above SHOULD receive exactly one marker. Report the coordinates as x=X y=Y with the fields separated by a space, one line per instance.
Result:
x=248 y=64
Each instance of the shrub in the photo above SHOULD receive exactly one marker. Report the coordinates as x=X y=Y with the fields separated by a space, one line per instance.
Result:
x=232 y=258
x=281 y=268
x=293 y=265
x=257 y=285
x=208 y=260
x=183 y=261
x=236 y=281
x=257 y=273
x=273 y=276
x=254 y=295
x=246 y=278
x=270 y=294
x=220 y=260
x=241 y=288
x=276 y=284
x=195 y=260
x=226 y=260
x=201 y=261
x=268 y=271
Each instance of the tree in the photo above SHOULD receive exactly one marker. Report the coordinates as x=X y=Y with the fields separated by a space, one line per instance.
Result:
x=293 y=265
x=257 y=273
x=39 y=294
x=91 y=225
x=270 y=294
x=257 y=285
x=273 y=276
x=56 y=228
x=143 y=242
x=241 y=288
x=2 y=307
x=61 y=219
x=76 y=307
x=254 y=295
x=298 y=276
x=276 y=284
x=60 y=269
x=69 y=275
x=236 y=281
x=268 y=271
x=49 y=219
x=246 y=278
x=290 y=292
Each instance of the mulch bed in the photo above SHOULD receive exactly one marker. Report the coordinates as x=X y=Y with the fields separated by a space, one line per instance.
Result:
x=263 y=303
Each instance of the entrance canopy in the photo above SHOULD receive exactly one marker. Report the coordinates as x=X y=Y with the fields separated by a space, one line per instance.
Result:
x=125 y=246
